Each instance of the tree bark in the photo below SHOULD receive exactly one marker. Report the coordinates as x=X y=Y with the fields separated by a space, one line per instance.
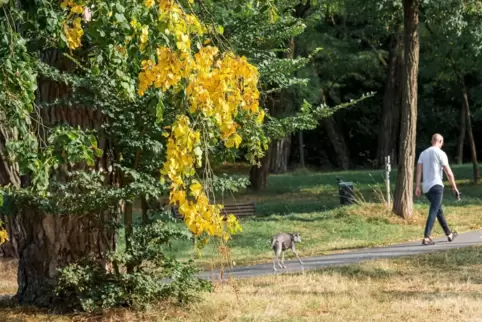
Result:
x=336 y=137
x=281 y=149
x=280 y=155
x=301 y=148
x=461 y=138
x=403 y=198
x=46 y=241
x=337 y=141
x=259 y=175
x=470 y=135
x=390 y=120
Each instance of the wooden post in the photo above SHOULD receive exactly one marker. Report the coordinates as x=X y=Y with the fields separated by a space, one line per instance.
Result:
x=387 y=178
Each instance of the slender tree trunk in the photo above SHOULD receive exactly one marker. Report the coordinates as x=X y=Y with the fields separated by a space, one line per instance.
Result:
x=338 y=142
x=403 y=198
x=390 y=120
x=302 y=149
x=336 y=137
x=46 y=241
x=281 y=149
x=259 y=175
x=470 y=135
x=461 y=138
x=280 y=155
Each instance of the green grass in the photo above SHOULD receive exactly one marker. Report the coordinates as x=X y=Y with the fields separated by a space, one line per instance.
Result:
x=308 y=202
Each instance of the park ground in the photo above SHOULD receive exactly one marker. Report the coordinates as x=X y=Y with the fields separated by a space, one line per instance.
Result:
x=446 y=285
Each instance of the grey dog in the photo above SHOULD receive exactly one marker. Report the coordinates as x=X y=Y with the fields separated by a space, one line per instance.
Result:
x=282 y=242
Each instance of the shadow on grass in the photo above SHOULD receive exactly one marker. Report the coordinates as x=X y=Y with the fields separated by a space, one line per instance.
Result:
x=454 y=263
x=427 y=296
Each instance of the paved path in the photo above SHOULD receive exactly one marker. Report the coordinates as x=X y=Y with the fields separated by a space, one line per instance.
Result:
x=356 y=256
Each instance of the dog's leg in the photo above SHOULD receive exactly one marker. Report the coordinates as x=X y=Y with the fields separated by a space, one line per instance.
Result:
x=279 y=251
x=297 y=257
x=293 y=249
x=283 y=259
x=276 y=249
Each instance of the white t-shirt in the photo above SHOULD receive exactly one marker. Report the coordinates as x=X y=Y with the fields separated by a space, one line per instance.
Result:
x=432 y=160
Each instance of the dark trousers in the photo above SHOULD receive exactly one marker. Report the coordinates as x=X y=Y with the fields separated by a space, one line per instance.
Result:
x=435 y=195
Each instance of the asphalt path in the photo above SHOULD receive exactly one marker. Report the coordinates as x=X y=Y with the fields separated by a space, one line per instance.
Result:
x=472 y=238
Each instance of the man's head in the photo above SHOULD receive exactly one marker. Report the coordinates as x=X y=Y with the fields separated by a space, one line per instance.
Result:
x=437 y=140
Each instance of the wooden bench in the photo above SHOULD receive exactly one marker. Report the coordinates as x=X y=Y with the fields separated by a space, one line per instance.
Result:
x=239 y=210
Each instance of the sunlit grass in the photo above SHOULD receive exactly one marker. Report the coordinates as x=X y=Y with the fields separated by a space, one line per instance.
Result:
x=445 y=286
x=308 y=202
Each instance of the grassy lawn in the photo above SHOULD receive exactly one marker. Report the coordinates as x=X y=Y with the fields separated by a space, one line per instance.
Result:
x=308 y=202
x=446 y=286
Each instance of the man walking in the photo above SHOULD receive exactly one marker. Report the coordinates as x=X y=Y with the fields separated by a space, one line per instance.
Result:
x=430 y=164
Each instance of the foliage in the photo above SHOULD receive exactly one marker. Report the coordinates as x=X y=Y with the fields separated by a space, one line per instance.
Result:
x=90 y=287
x=142 y=118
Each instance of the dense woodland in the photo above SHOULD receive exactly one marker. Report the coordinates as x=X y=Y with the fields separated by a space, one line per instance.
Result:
x=103 y=103
x=362 y=51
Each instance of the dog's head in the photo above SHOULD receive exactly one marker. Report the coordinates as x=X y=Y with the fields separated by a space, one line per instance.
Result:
x=296 y=237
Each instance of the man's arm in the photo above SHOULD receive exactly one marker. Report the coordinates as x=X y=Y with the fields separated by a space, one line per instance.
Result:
x=419 y=178
x=448 y=172
x=418 y=192
x=450 y=176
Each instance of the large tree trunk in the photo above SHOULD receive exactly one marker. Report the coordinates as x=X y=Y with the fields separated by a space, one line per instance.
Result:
x=470 y=135
x=390 y=121
x=259 y=175
x=461 y=138
x=46 y=241
x=403 y=198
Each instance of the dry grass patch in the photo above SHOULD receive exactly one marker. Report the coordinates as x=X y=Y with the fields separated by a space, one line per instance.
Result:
x=8 y=276
x=445 y=286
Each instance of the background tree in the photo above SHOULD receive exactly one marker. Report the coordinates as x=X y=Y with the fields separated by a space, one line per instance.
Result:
x=403 y=198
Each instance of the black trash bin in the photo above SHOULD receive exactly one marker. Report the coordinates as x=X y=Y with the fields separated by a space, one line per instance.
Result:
x=347 y=196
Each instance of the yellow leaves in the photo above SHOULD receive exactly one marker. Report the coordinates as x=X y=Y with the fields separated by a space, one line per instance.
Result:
x=67 y=3
x=164 y=74
x=178 y=196
x=73 y=34
x=144 y=34
x=217 y=87
x=149 y=3
x=184 y=43
x=134 y=24
x=233 y=224
x=77 y=9
x=144 y=37
x=260 y=117
x=3 y=235
x=196 y=188
x=73 y=31
x=233 y=141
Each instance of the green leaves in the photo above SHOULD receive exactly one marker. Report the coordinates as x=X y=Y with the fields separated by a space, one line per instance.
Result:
x=92 y=288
